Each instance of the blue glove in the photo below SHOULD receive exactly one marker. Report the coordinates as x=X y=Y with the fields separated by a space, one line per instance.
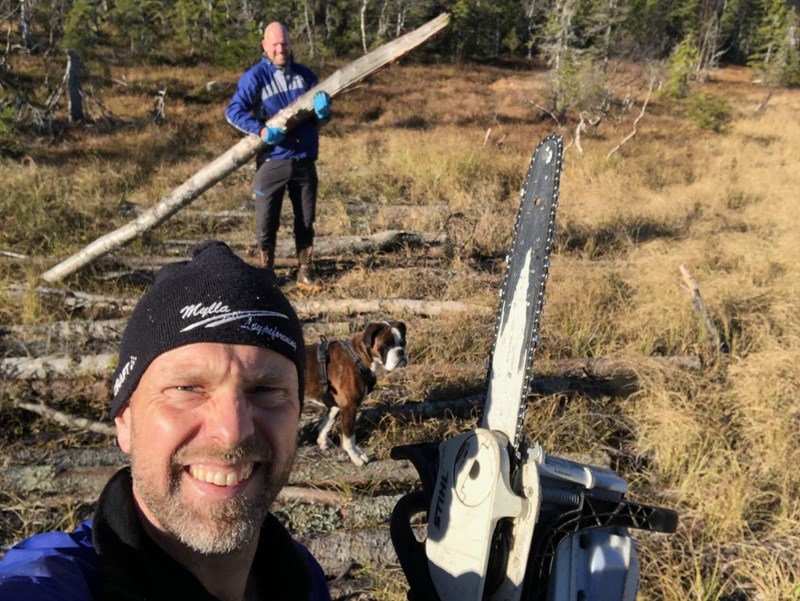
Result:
x=274 y=136
x=322 y=106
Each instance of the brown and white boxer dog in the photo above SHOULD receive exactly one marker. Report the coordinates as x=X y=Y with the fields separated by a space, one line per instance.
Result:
x=341 y=373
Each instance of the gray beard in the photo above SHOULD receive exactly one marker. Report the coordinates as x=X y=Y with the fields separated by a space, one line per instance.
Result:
x=219 y=527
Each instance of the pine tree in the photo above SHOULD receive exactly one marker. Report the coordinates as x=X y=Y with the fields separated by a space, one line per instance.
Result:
x=135 y=22
x=775 y=50
x=80 y=30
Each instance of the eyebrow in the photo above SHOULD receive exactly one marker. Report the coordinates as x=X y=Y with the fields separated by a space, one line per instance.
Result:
x=269 y=374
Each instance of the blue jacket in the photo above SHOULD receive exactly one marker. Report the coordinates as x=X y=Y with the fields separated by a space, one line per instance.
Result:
x=263 y=91
x=111 y=557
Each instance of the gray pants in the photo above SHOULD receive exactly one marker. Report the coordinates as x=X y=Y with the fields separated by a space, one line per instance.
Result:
x=271 y=180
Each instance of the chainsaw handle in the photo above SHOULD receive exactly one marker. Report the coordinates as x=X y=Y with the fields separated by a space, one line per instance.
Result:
x=410 y=551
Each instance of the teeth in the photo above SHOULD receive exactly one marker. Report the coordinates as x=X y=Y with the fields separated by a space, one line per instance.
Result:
x=221 y=476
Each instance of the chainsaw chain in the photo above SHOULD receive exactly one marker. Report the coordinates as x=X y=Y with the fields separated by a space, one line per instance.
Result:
x=539 y=302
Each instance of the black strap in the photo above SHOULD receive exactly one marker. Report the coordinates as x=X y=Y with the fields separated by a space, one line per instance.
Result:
x=322 y=357
x=370 y=377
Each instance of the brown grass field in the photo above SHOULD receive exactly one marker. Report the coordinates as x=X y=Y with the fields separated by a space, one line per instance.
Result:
x=719 y=445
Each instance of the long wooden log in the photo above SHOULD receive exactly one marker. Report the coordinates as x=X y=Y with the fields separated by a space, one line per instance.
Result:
x=101 y=364
x=74 y=300
x=336 y=550
x=76 y=331
x=40 y=475
x=245 y=149
x=324 y=246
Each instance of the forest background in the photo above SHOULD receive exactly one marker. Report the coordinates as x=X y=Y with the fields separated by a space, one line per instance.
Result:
x=680 y=123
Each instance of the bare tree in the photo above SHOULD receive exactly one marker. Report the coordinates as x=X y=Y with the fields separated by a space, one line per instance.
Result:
x=561 y=31
x=309 y=21
x=530 y=13
x=709 y=38
x=363 y=17
x=25 y=10
x=74 y=95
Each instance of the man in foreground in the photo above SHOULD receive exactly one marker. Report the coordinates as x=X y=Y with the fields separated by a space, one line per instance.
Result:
x=289 y=158
x=207 y=398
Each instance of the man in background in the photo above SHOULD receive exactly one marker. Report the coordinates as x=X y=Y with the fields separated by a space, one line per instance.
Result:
x=206 y=402
x=289 y=158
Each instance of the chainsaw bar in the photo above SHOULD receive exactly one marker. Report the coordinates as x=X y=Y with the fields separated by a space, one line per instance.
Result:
x=522 y=295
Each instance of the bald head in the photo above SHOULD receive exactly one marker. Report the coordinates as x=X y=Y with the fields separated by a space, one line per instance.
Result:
x=276 y=44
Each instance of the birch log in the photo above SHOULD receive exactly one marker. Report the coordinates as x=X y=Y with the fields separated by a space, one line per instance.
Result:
x=244 y=150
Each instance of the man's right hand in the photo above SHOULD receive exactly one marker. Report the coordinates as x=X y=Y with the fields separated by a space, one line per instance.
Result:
x=273 y=135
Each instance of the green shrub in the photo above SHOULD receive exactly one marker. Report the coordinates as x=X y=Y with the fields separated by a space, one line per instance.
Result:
x=680 y=68
x=708 y=112
x=6 y=119
x=237 y=54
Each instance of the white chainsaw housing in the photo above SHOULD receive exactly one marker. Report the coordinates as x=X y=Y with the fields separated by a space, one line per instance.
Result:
x=472 y=493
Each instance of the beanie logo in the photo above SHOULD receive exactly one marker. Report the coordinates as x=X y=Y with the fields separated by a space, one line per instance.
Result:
x=123 y=374
x=219 y=314
x=199 y=310
x=273 y=333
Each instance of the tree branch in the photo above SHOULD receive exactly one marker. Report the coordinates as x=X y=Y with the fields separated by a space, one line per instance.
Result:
x=635 y=121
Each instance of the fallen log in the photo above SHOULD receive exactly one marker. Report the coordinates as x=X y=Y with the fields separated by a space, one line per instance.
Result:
x=335 y=551
x=77 y=329
x=394 y=306
x=41 y=368
x=549 y=382
x=73 y=301
x=550 y=371
x=245 y=149
x=71 y=422
x=314 y=479
x=76 y=333
x=325 y=246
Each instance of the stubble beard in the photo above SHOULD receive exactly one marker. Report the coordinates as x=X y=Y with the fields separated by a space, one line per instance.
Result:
x=219 y=526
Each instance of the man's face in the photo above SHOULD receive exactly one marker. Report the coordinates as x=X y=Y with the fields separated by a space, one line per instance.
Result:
x=211 y=431
x=276 y=45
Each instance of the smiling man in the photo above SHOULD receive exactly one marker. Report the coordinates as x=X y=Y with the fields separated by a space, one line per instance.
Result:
x=287 y=160
x=207 y=398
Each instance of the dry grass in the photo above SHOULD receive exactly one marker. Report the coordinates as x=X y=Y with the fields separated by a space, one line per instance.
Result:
x=720 y=446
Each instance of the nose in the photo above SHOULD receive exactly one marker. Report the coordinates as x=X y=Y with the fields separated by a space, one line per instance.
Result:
x=230 y=419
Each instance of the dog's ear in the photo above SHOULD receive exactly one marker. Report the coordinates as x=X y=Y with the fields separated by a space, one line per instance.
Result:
x=371 y=331
x=401 y=327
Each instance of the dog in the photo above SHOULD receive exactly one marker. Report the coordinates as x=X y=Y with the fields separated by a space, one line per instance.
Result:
x=341 y=373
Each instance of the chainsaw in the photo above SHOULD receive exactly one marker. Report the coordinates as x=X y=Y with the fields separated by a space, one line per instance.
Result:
x=505 y=520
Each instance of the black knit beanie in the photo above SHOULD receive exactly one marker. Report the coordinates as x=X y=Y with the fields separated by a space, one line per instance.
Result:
x=215 y=297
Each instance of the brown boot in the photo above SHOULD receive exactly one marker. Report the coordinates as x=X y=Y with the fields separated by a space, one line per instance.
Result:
x=305 y=271
x=266 y=257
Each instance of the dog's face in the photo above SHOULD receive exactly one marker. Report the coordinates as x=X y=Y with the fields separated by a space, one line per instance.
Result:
x=387 y=343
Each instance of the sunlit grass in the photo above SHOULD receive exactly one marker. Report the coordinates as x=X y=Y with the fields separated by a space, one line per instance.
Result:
x=719 y=445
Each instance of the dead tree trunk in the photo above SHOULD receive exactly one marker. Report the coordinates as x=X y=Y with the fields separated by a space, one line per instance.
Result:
x=74 y=93
x=24 y=24
x=717 y=343
x=363 y=20
x=245 y=149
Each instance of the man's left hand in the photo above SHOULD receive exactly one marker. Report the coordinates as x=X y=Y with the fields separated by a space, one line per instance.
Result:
x=322 y=106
